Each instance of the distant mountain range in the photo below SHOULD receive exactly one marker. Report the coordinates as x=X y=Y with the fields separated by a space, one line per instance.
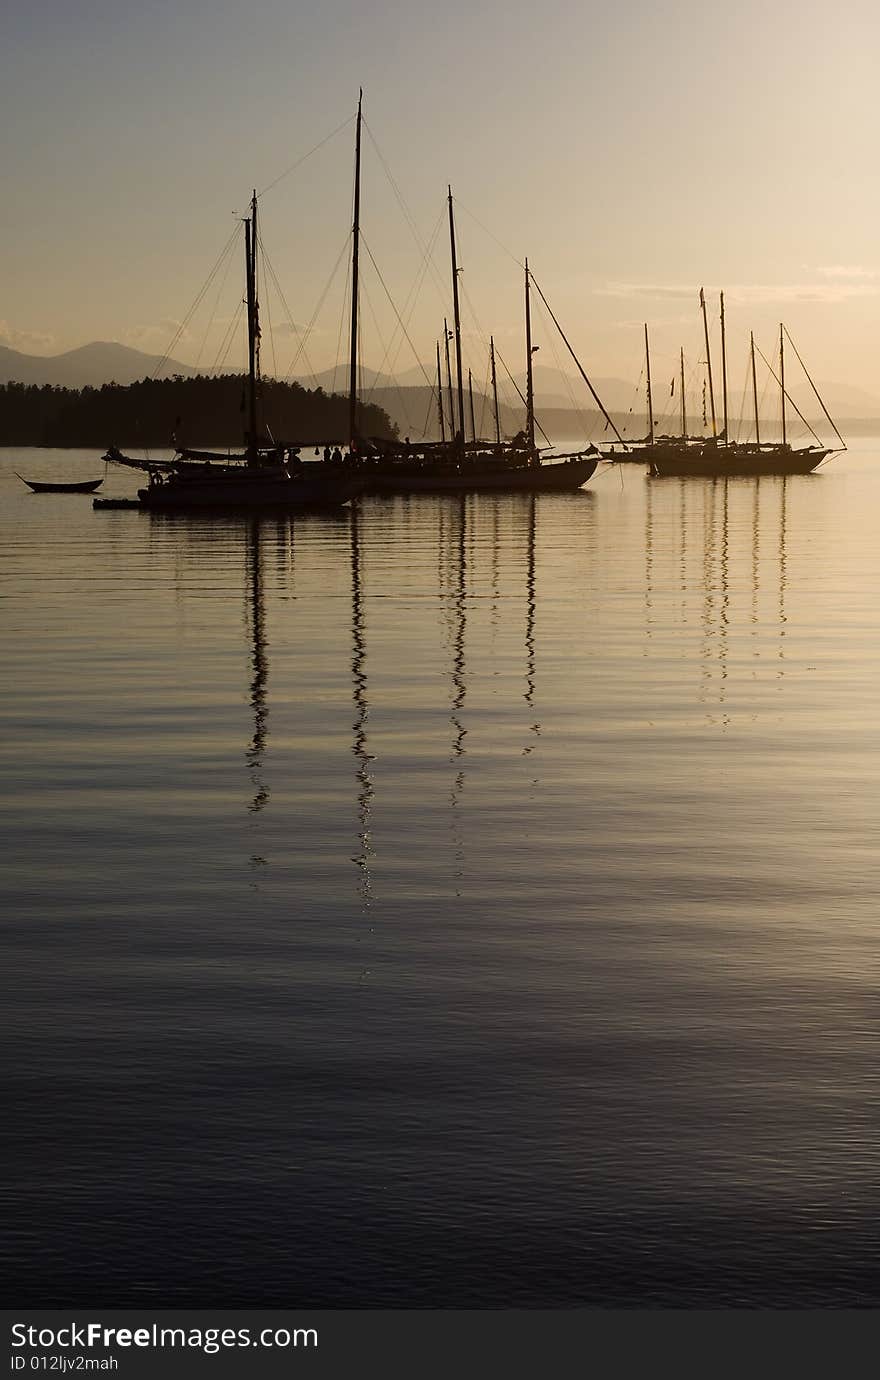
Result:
x=405 y=396
x=553 y=388
x=103 y=361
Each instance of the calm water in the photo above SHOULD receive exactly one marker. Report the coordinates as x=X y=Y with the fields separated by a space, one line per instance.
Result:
x=457 y=903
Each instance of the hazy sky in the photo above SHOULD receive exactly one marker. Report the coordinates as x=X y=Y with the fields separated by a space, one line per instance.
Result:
x=632 y=151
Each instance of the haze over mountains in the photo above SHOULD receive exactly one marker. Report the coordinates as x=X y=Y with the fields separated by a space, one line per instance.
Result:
x=406 y=395
x=90 y=366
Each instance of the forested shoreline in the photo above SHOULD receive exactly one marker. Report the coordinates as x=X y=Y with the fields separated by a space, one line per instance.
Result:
x=199 y=411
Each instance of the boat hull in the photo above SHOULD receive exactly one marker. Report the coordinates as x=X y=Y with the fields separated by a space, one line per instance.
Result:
x=240 y=492
x=87 y=486
x=471 y=477
x=729 y=462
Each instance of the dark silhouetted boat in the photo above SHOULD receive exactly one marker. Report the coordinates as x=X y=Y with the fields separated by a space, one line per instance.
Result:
x=85 y=486
x=652 y=446
x=718 y=456
x=263 y=476
x=458 y=465
x=438 y=469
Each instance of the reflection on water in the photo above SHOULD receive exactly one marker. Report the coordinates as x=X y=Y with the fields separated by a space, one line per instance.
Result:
x=260 y=664
x=485 y=916
x=531 y=612
x=361 y=711
x=709 y=522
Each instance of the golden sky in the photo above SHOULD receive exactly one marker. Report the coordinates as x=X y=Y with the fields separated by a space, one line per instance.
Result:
x=633 y=151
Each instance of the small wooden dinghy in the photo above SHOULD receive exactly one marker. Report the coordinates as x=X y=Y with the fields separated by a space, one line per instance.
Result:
x=86 y=486
x=116 y=503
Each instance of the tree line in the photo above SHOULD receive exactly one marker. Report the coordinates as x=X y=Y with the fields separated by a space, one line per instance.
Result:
x=198 y=411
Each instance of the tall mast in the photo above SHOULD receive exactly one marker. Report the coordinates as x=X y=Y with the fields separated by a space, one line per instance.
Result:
x=650 y=399
x=447 y=336
x=253 y=325
x=683 y=413
x=495 y=390
x=755 y=391
x=709 y=362
x=355 y=251
x=471 y=400
x=724 y=367
x=530 y=383
x=440 y=398
x=457 y=322
x=782 y=381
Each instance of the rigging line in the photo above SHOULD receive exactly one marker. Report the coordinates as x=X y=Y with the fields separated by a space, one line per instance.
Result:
x=788 y=396
x=321 y=301
x=498 y=355
x=229 y=256
x=396 y=312
x=484 y=341
x=602 y=407
x=415 y=294
x=565 y=380
x=410 y=303
x=670 y=408
x=481 y=334
x=510 y=254
x=293 y=326
x=637 y=391
x=268 y=304
x=223 y=347
x=742 y=405
x=431 y=406
x=575 y=406
x=198 y=301
x=343 y=322
x=438 y=276
x=763 y=393
x=508 y=398
x=428 y=255
x=300 y=161
x=360 y=381
x=485 y=392
x=693 y=380
x=400 y=398
x=226 y=343
x=814 y=388
x=407 y=214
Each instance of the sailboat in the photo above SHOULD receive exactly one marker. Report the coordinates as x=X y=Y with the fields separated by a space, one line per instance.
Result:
x=459 y=465
x=77 y=486
x=647 y=450
x=719 y=455
x=263 y=476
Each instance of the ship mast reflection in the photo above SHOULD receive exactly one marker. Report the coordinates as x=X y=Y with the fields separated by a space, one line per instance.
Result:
x=255 y=614
x=365 y=786
x=460 y=605
x=459 y=684
x=531 y=610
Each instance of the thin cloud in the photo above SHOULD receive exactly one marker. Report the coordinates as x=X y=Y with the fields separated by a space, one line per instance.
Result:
x=748 y=293
x=156 y=333
x=290 y=328
x=848 y=272
x=637 y=323
x=644 y=290
x=36 y=342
